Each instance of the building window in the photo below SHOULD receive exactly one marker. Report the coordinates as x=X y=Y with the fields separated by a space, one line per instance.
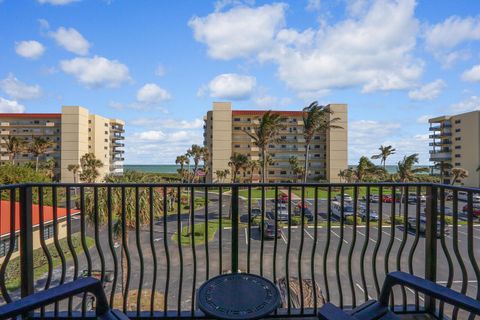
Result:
x=236 y=119
x=458 y=138
x=106 y=124
x=317 y=155
x=237 y=146
x=457 y=130
x=89 y=129
x=458 y=164
x=271 y=172
x=458 y=121
x=106 y=140
x=48 y=232
x=457 y=156
x=458 y=147
x=283 y=172
x=106 y=132
x=5 y=246
x=236 y=128
x=89 y=121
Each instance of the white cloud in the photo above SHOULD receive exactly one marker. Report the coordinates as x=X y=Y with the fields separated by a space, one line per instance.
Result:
x=71 y=40
x=29 y=49
x=18 y=90
x=442 y=38
x=239 y=32
x=160 y=71
x=97 y=71
x=373 y=49
x=221 y=4
x=313 y=5
x=268 y=101
x=149 y=135
x=232 y=86
x=472 y=75
x=57 y=2
x=7 y=106
x=168 y=123
x=428 y=91
x=469 y=104
x=151 y=94
x=424 y=119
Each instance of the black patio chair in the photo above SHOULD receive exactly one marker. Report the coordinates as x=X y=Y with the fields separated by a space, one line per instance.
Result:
x=46 y=297
x=373 y=310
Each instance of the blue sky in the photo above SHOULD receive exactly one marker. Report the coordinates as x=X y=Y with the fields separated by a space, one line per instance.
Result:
x=160 y=64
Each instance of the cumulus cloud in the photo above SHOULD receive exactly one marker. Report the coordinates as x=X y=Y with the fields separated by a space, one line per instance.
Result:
x=428 y=91
x=151 y=94
x=97 y=71
x=18 y=90
x=57 y=2
x=472 y=75
x=8 y=106
x=313 y=5
x=469 y=104
x=443 y=38
x=372 y=49
x=71 y=40
x=29 y=49
x=231 y=86
x=239 y=32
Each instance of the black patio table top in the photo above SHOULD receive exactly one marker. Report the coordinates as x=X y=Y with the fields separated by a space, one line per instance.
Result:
x=238 y=296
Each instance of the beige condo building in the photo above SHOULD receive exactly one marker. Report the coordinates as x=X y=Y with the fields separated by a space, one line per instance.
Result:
x=224 y=135
x=73 y=132
x=455 y=141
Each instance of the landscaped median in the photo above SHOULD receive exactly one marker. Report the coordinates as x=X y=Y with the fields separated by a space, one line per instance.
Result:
x=40 y=262
x=199 y=234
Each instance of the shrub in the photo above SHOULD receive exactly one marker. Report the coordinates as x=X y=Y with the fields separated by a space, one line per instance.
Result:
x=399 y=220
x=350 y=220
x=296 y=221
x=256 y=220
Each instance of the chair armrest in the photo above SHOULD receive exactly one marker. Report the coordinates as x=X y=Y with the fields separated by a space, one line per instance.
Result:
x=429 y=288
x=46 y=297
x=331 y=312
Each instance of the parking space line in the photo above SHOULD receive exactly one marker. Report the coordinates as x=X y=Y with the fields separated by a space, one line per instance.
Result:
x=375 y=241
x=465 y=233
x=283 y=237
x=361 y=289
x=246 y=237
x=457 y=281
x=339 y=236
x=308 y=233
x=390 y=236
x=414 y=293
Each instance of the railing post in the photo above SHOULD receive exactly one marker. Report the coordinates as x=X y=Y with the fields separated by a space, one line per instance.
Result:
x=234 y=206
x=431 y=243
x=26 y=241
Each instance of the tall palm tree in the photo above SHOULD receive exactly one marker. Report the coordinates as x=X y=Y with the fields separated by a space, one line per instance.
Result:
x=458 y=173
x=49 y=167
x=222 y=174
x=124 y=221
x=74 y=168
x=205 y=159
x=316 y=119
x=406 y=172
x=385 y=152
x=38 y=147
x=195 y=152
x=252 y=165
x=296 y=168
x=237 y=162
x=182 y=161
x=265 y=133
x=90 y=165
x=14 y=146
x=366 y=170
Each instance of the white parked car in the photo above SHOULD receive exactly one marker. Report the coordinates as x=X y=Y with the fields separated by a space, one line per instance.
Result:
x=337 y=210
x=346 y=198
x=463 y=196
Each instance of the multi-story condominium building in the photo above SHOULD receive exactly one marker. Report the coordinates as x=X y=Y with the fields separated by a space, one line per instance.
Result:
x=224 y=135
x=73 y=133
x=455 y=142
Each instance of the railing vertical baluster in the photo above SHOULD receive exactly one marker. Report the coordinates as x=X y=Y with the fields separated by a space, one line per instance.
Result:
x=139 y=249
x=392 y=238
x=56 y=241
x=327 y=242
x=97 y=233
x=379 y=240
x=445 y=251
x=414 y=244
x=275 y=241
x=456 y=250
x=287 y=256
x=180 y=253
x=470 y=249
x=220 y=230
x=83 y=237
x=249 y=226
x=352 y=247
x=126 y=251
x=26 y=242
x=314 y=248
x=431 y=243
x=302 y=236
x=339 y=247
x=151 y=209
x=167 y=252
x=46 y=252
x=404 y=241
x=207 y=262
x=111 y=244
x=194 y=254
x=70 y=245
x=262 y=226
x=11 y=246
x=234 y=242
x=365 y=245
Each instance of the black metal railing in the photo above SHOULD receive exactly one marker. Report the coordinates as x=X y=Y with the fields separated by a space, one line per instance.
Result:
x=153 y=245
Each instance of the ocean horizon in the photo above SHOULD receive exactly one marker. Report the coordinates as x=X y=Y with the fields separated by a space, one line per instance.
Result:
x=172 y=168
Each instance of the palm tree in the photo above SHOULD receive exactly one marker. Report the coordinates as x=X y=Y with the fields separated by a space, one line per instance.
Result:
x=296 y=168
x=458 y=173
x=365 y=170
x=182 y=160
x=443 y=167
x=38 y=147
x=252 y=165
x=124 y=221
x=406 y=172
x=222 y=174
x=195 y=152
x=49 y=166
x=205 y=160
x=269 y=162
x=265 y=133
x=90 y=165
x=385 y=152
x=238 y=161
x=315 y=120
x=74 y=169
x=14 y=146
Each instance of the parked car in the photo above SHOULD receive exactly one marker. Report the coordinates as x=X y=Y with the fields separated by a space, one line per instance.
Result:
x=337 y=209
x=308 y=213
x=363 y=214
x=476 y=210
x=283 y=198
x=412 y=225
x=269 y=230
x=463 y=196
x=374 y=198
x=282 y=214
x=346 y=198
x=412 y=198
x=300 y=204
x=282 y=206
x=387 y=198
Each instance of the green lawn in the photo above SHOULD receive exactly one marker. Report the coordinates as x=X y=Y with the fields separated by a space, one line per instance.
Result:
x=12 y=273
x=199 y=232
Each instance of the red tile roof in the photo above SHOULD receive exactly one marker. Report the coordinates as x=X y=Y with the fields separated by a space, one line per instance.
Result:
x=31 y=115
x=262 y=112
x=47 y=215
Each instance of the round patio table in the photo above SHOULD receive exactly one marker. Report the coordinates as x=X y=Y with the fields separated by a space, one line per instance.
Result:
x=238 y=296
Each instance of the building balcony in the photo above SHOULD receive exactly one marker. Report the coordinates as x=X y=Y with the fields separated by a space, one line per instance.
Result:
x=440 y=135
x=342 y=253
x=440 y=156
x=116 y=137
x=440 y=143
